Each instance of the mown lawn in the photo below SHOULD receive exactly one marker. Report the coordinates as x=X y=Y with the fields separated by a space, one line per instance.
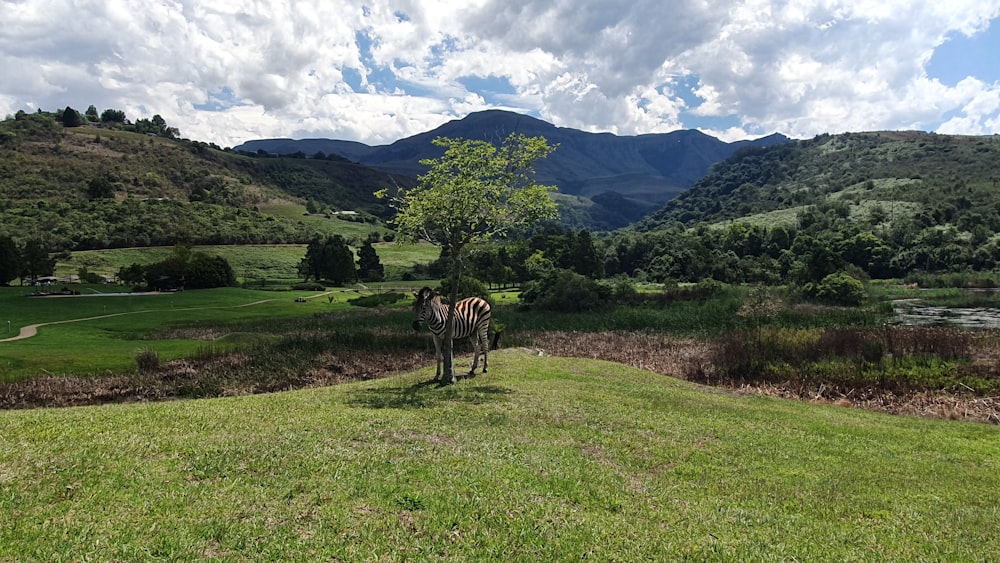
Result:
x=542 y=459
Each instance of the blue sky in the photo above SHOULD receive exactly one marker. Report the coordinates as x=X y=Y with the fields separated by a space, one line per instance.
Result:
x=380 y=71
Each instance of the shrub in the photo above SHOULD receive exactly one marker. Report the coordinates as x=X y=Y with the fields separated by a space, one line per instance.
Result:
x=837 y=289
x=565 y=291
x=147 y=360
x=468 y=286
x=377 y=300
x=709 y=287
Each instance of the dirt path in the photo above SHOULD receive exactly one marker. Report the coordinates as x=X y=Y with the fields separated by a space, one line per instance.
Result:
x=32 y=330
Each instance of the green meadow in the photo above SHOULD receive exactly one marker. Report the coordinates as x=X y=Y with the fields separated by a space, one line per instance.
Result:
x=95 y=333
x=251 y=263
x=543 y=459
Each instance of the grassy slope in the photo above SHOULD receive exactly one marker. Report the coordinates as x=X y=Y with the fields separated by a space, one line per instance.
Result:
x=110 y=342
x=542 y=459
x=904 y=173
x=249 y=262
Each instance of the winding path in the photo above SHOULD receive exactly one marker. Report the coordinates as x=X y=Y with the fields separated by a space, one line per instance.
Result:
x=31 y=330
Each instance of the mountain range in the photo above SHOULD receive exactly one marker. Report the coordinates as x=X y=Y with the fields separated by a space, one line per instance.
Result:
x=610 y=180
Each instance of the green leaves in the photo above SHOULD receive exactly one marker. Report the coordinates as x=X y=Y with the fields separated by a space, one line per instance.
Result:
x=475 y=191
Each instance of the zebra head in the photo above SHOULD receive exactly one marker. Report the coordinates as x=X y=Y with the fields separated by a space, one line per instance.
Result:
x=422 y=306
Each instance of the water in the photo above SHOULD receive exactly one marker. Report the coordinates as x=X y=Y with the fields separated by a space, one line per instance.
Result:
x=913 y=312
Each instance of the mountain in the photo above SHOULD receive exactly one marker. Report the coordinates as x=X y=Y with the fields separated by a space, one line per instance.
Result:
x=615 y=180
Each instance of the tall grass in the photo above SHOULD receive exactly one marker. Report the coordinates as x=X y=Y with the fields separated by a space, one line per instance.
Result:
x=893 y=358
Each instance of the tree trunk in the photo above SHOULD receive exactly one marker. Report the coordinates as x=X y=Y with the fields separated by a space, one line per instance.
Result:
x=448 y=376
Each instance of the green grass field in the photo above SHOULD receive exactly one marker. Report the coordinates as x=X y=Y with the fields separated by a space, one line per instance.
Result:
x=114 y=327
x=543 y=459
x=250 y=263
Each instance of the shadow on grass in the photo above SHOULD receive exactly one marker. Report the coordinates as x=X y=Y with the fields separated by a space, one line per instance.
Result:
x=426 y=394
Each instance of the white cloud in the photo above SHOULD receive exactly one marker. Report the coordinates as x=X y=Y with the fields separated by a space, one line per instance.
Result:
x=800 y=67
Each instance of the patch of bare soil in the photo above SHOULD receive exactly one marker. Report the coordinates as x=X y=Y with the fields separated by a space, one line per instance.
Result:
x=679 y=357
x=225 y=375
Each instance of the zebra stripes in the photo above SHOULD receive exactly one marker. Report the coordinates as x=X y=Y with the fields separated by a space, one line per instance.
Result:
x=472 y=321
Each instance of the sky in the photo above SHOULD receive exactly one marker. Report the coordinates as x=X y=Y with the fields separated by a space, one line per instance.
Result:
x=375 y=71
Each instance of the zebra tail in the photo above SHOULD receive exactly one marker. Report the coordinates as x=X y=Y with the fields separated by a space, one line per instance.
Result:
x=496 y=340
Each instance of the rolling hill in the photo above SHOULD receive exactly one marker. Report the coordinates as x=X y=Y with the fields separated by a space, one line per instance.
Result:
x=898 y=176
x=90 y=187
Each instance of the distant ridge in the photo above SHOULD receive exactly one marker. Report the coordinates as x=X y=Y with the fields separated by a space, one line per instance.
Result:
x=616 y=179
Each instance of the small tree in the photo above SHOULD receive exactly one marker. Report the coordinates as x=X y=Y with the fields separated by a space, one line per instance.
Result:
x=113 y=116
x=474 y=192
x=370 y=268
x=329 y=259
x=341 y=268
x=100 y=188
x=759 y=307
x=35 y=261
x=10 y=260
x=71 y=118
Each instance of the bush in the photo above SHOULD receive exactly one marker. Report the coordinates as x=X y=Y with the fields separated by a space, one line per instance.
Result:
x=468 y=286
x=565 y=291
x=309 y=286
x=147 y=360
x=837 y=289
x=377 y=300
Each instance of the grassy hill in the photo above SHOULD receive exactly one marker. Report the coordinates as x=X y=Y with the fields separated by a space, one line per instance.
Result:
x=943 y=179
x=879 y=205
x=92 y=187
x=543 y=459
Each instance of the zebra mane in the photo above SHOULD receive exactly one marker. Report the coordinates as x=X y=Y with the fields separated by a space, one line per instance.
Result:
x=425 y=293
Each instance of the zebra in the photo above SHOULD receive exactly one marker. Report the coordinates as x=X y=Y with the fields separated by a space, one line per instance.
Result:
x=472 y=321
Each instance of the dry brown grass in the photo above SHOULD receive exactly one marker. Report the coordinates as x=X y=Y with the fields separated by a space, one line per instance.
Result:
x=691 y=359
x=679 y=357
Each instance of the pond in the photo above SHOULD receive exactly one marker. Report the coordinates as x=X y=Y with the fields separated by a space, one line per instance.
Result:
x=914 y=312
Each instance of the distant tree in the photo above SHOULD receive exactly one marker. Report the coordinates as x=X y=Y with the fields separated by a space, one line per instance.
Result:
x=100 y=188
x=342 y=269
x=168 y=273
x=86 y=276
x=329 y=259
x=370 y=268
x=585 y=259
x=838 y=289
x=35 y=261
x=205 y=271
x=91 y=114
x=10 y=260
x=113 y=116
x=132 y=275
x=71 y=118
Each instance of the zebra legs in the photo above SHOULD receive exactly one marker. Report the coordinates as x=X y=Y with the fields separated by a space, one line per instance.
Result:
x=480 y=345
x=479 y=342
x=437 y=356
